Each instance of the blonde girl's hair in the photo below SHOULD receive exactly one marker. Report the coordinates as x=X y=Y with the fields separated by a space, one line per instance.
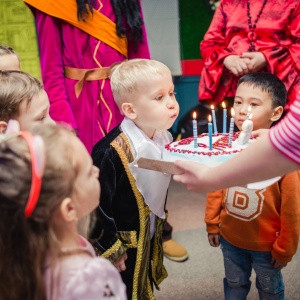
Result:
x=26 y=242
x=5 y=49
x=16 y=87
x=125 y=77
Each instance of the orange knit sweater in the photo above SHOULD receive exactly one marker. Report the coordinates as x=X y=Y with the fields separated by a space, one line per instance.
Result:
x=260 y=220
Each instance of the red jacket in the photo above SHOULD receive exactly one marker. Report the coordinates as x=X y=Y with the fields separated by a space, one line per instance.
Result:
x=277 y=30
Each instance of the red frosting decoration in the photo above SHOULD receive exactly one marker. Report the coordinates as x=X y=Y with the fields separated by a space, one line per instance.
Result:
x=221 y=144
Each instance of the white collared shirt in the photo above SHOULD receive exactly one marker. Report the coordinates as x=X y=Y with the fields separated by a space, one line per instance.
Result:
x=152 y=185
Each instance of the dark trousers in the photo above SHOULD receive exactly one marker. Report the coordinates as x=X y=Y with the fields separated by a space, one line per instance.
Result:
x=167 y=232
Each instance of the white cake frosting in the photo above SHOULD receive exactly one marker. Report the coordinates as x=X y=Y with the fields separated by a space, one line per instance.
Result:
x=184 y=149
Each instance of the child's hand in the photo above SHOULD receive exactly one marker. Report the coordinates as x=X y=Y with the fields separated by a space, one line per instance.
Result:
x=120 y=264
x=278 y=264
x=214 y=239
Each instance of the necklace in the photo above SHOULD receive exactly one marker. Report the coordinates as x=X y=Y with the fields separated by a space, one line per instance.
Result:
x=252 y=36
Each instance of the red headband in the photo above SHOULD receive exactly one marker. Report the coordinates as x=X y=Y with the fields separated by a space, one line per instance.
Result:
x=36 y=172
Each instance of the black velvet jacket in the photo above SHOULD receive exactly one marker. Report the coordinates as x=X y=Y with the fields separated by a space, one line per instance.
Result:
x=123 y=222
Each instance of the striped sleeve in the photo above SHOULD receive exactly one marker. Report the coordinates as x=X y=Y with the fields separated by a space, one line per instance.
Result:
x=285 y=136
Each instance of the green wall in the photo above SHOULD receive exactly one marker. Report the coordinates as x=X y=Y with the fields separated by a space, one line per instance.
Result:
x=18 y=31
x=195 y=17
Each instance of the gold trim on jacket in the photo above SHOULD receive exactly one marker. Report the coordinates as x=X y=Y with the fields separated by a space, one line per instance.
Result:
x=141 y=284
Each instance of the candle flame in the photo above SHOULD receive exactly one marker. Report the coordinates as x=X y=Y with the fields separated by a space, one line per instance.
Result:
x=212 y=107
x=194 y=115
x=232 y=112
x=223 y=104
x=250 y=117
x=249 y=108
x=209 y=118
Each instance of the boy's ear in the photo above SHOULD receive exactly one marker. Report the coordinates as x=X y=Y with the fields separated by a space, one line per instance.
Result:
x=68 y=210
x=128 y=110
x=277 y=112
x=3 y=126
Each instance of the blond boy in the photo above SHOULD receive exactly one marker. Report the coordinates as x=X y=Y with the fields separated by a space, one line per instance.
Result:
x=132 y=209
x=23 y=98
x=9 y=59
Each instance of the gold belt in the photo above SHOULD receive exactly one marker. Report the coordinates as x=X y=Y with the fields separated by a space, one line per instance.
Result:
x=86 y=75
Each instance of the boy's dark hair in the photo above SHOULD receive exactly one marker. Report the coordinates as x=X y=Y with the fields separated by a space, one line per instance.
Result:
x=269 y=83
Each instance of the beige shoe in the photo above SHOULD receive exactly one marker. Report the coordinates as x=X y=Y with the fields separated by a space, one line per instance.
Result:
x=174 y=251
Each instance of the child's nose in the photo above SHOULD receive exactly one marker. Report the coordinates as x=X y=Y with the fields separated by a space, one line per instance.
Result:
x=50 y=121
x=171 y=103
x=244 y=109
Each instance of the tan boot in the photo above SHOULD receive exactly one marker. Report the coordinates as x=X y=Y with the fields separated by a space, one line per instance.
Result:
x=174 y=251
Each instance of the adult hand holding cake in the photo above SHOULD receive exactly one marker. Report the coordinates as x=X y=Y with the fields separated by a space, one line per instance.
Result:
x=211 y=149
x=266 y=95
x=209 y=153
x=220 y=153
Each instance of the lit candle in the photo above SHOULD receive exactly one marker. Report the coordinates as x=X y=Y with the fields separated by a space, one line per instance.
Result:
x=195 y=130
x=214 y=119
x=231 y=128
x=224 y=117
x=248 y=113
x=246 y=131
x=210 y=132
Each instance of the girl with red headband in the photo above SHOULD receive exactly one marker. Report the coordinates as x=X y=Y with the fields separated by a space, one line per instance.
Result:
x=47 y=184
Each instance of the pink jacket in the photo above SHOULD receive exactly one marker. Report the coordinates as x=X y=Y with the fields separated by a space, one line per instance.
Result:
x=82 y=275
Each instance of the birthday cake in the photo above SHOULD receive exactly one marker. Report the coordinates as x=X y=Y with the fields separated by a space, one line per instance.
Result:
x=185 y=149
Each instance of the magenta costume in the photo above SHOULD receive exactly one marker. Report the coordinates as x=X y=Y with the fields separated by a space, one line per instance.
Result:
x=94 y=113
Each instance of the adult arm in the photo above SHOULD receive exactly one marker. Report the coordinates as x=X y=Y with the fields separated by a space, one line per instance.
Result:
x=273 y=154
x=217 y=57
x=284 y=59
x=50 y=45
x=260 y=161
x=213 y=47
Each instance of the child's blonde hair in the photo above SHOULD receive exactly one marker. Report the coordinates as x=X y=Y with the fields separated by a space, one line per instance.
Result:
x=125 y=77
x=5 y=49
x=15 y=88
x=25 y=242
